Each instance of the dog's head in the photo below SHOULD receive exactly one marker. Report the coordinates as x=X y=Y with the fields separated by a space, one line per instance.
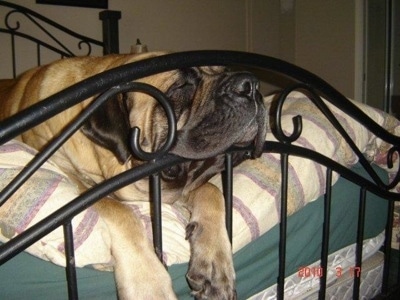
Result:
x=215 y=109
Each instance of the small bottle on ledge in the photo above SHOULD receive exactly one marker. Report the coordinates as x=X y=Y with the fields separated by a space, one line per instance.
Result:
x=138 y=48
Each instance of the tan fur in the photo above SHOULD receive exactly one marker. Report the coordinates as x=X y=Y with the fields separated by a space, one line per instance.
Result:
x=138 y=272
x=45 y=81
x=209 y=244
x=79 y=158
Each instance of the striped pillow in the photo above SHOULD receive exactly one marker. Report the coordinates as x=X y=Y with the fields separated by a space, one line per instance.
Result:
x=256 y=189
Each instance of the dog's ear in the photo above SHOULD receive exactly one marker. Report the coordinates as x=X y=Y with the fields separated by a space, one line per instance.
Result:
x=109 y=127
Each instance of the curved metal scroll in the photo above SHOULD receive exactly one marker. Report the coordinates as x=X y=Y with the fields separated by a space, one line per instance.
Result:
x=41 y=22
x=320 y=104
x=297 y=121
x=52 y=147
x=171 y=135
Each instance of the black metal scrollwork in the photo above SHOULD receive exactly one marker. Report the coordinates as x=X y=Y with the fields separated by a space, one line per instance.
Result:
x=7 y=21
x=135 y=138
x=297 y=120
x=87 y=45
x=395 y=150
x=320 y=104
x=42 y=23
x=52 y=147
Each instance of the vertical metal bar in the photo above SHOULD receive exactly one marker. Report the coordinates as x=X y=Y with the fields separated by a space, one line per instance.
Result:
x=228 y=193
x=13 y=54
x=70 y=262
x=398 y=268
x=110 y=30
x=155 y=190
x=359 y=244
x=388 y=56
x=283 y=226
x=387 y=248
x=38 y=54
x=325 y=234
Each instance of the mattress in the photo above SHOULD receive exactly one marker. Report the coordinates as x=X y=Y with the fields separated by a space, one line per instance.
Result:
x=256 y=263
x=371 y=281
x=304 y=284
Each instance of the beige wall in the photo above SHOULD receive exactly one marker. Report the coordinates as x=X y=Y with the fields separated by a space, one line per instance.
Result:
x=325 y=41
x=171 y=25
x=317 y=35
x=324 y=37
x=182 y=25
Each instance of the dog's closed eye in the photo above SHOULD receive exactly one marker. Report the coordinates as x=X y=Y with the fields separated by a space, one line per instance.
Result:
x=172 y=173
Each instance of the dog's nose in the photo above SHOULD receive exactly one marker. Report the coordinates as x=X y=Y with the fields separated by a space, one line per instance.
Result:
x=244 y=84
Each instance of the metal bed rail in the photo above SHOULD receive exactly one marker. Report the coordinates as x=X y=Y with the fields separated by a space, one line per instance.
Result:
x=120 y=78
x=47 y=34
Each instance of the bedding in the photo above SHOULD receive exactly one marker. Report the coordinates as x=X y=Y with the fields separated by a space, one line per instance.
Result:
x=256 y=195
x=370 y=286
x=256 y=263
x=304 y=284
x=256 y=252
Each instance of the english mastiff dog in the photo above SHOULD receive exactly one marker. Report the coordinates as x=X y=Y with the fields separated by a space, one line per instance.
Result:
x=215 y=109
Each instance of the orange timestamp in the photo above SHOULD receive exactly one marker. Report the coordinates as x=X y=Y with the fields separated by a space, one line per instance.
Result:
x=319 y=271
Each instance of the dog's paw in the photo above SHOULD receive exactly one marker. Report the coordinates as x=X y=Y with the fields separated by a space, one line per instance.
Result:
x=211 y=274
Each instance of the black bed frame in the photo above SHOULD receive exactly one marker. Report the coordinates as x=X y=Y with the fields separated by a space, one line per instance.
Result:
x=54 y=32
x=120 y=80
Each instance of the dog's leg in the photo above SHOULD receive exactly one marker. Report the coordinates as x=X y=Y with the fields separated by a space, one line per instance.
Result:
x=211 y=274
x=138 y=272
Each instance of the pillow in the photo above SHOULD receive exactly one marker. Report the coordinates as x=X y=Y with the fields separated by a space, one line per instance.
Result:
x=256 y=190
x=257 y=182
x=49 y=189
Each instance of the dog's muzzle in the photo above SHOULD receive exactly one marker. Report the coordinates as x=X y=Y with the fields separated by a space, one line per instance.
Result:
x=241 y=92
x=232 y=114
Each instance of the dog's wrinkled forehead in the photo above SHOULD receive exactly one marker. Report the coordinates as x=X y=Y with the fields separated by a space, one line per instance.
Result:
x=194 y=73
x=188 y=89
x=213 y=70
x=180 y=85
